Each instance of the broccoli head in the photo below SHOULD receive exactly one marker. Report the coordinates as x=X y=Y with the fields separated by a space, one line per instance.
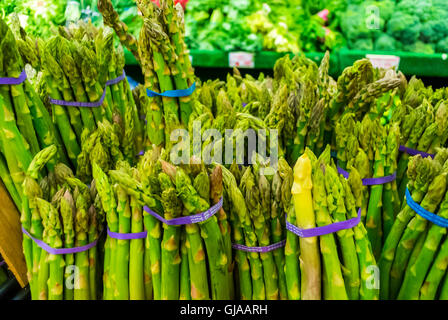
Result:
x=434 y=31
x=404 y=27
x=386 y=43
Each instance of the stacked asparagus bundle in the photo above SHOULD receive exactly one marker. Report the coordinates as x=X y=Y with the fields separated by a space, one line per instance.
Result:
x=255 y=201
x=26 y=125
x=165 y=62
x=362 y=90
x=191 y=262
x=372 y=150
x=424 y=127
x=414 y=259
x=60 y=211
x=76 y=66
x=332 y=266
x=103 y=147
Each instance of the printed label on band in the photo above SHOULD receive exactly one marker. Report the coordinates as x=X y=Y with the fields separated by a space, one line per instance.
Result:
x=14 y=81
x=370 y=181
x=441 y=222
x=127 y=236
x=320 y=231
x=58 y=251
x=413 y=152
x=259 y=249
x=89 y=104
x=200 y=217
x=173 y=93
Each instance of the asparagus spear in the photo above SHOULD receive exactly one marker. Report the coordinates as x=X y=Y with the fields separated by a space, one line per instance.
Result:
x=82 y=289
x=338 y=211
x=253 y=202
x=216 y=192
x=67 y=209
x=415 y=275
x=57 y=263
x=421 y=172
x=112 y=19
x=309 y=250
x=244 y=282
x=435 y=275
x=353 y=200
x=185 y=290
x=107 y=196
x=122 y=259
x=242 y=218
x=417 y=225
x=374 y=210
x=171 y=259
x=334 y=287
x=137 y=255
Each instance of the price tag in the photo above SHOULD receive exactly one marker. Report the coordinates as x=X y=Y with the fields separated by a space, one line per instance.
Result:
x=241 y=60
x=384 y=61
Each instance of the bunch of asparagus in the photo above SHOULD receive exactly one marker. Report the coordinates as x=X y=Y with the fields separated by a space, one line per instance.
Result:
x=60 y=210
x=332 y=266
x=256 y=201
x=165 y=63
x=176 y=262
x=103 y=147
x=423 y=127
x=76 y=65
x=414 y=259
x=26 y=125
x=362 y=90
x=372 y=150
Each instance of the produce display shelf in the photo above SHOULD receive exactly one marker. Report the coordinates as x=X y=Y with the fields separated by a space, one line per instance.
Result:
x=261 y=60
x=419 y=64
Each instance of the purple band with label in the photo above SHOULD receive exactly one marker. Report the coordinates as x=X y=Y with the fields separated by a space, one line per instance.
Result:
x=58 y=251
x=2 y=263
x=127 y=236
x=196 y=218
x=89 y=104
x=260 y=249
x=413 y=152
x=320 y=231
x=371 y=181
x=14 y=81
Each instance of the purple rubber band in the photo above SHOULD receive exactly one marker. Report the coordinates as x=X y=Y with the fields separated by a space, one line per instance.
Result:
x=89 y=104
x=51 y=250
x=116 y=80
x=371 y=181
x=127 y=236
x=141 y=153
x=244 y=104
x=200 y=217
x=2 y=263
x=14 y=81
x=413 y=152
x=260 y=249
x=320 y=231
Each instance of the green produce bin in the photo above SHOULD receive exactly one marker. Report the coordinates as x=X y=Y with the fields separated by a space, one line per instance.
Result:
x=262 y=59
x=419 y=64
